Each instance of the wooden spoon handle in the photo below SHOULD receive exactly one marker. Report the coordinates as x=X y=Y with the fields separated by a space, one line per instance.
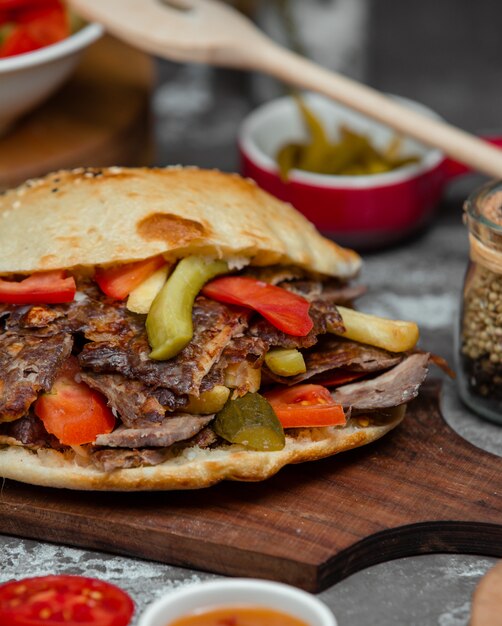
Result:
x=458 y=144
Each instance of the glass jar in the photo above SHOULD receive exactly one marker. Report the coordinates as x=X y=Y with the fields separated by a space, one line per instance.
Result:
x=479 y=351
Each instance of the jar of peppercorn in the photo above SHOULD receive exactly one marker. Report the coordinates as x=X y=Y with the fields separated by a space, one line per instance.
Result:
x=479 y=351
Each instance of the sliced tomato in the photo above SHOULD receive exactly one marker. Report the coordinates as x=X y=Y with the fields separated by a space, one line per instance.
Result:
x=303 y=406
x=118 y=282
x=336 y=377
x=287 y=311
x=72 y=411
x=60 y=600
x=42 y=288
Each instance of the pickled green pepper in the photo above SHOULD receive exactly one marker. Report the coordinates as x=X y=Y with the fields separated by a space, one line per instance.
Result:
x=169 y=321
x=250 y=421
x=285 y=362
x=352 y=155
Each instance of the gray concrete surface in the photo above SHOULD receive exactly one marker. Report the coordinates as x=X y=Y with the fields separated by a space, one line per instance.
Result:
x=446 y=55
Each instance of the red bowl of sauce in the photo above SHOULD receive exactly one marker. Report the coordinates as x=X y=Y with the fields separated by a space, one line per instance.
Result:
x=238 y=602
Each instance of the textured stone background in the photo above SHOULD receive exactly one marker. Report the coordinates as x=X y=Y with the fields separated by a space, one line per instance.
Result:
x=447 y=55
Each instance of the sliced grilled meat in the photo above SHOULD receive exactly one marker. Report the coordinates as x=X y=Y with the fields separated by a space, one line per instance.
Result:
x=176 y=428
x=333 y=352
x=37 y=320
x=205 y=438
x=30 y=431
x=398 y=385
x=133 y=400
x=274 y=274
x=214 y=326
x=91 y=313
x=108 y=460
x=323 y=314
x=330 y=291
x=28 y=365
x=252 y=349
x=100 y=318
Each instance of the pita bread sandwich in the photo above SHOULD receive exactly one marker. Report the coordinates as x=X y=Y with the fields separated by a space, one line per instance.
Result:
x=171 y=328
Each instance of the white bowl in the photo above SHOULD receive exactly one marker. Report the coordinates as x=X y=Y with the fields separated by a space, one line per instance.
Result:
x=28 y=79
x=238 y=591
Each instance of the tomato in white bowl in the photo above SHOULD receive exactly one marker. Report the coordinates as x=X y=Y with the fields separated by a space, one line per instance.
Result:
x=38 y=51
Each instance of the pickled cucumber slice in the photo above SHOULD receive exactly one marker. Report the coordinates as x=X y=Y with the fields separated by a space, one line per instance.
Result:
x=169 y=321
x=208 y=402
x=285 y=362
x=250 y=421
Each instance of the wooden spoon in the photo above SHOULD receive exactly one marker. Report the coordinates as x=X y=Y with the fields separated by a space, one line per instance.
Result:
x=487 y=600
x=207 y=31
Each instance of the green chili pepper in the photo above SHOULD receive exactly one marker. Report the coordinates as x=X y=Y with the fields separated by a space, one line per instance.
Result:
x=169 y=321
x=288 y=158
x=352 y=155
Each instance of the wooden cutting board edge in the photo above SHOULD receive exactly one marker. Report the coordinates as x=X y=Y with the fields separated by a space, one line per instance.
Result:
x=448 y=537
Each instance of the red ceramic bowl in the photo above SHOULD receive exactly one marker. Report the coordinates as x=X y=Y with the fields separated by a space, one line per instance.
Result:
x=358 y=211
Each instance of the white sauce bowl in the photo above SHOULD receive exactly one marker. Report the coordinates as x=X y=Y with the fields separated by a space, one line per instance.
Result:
x=234 y=592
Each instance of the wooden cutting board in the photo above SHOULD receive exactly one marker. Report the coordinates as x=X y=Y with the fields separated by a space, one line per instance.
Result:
x=99 y=117
x=420 y=489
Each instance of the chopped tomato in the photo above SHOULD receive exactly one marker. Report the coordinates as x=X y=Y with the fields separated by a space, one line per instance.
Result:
x=9 y=5
x=60 y=600
x=285 y=310
x=32 y=25
x=72 y=411
x=305 y=406
x=118 y=282
x=17 y=42
x=336 y=377
x=42 y=288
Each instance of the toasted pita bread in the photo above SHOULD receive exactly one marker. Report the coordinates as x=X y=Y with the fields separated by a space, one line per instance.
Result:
x=90 y=217
x=193 y=468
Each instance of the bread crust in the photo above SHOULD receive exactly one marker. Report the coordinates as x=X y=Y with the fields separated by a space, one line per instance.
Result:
x=194 y=469
x=89 y=217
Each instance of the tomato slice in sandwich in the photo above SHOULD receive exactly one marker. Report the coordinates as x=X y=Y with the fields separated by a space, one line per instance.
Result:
x=305 y=406
x=118 y=282
x=287 y=311
x=64 y=600
x=72 y=411
x=41 y=288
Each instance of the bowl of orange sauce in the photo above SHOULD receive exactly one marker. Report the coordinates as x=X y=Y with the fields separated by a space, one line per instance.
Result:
x=238 y=602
